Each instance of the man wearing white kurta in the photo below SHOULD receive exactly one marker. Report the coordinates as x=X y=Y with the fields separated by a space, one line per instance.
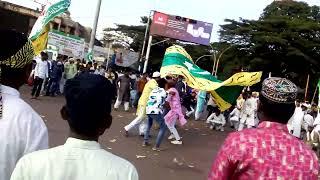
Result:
x=297 y=120
x=247 y=113
x=316 y=129
x=22 y=130
x=256 y=98
x=87 y=110
x=217 y=121
x=308 y=125
x=234 y=117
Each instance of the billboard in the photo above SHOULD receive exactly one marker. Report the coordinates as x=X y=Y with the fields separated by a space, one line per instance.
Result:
x=68 y=45
x=181 y=28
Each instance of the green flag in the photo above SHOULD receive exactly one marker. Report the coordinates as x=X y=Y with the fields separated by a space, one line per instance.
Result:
x=89 y=56
x=53 y=9
x=225 y=93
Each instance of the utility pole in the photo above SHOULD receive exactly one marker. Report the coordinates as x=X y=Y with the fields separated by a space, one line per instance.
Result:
x=147 y=55
x=94 y=29
x=145 y=39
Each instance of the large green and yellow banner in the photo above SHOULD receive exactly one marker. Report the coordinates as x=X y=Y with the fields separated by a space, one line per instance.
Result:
x=178 y=62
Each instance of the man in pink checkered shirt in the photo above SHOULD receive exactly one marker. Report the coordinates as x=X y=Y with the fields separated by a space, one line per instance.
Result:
x=268 y=152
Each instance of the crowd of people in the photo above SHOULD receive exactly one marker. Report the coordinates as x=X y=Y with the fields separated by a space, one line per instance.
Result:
x=174 y=102
x=264 y=150
x=48 y=77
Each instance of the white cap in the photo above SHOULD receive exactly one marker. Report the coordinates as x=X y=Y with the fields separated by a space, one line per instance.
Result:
x=306 y=105
x=156 y=75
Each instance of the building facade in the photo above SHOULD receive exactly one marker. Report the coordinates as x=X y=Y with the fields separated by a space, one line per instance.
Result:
x=22 y=19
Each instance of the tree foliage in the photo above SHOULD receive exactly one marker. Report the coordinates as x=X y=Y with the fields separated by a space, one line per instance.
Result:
x=285 y=40
x=129 y=36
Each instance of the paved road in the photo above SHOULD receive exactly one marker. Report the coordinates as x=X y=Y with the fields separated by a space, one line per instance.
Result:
x=190 y=161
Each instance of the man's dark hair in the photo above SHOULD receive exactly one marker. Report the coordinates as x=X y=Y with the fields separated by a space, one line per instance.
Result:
x=88 y=103
x=277 y=112
x=44 y=54
x=162 y=82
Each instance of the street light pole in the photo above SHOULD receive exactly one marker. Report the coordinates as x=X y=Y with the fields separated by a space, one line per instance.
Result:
x=218 y=60
x=214 y=63
x=201 y=58
x=94 y=28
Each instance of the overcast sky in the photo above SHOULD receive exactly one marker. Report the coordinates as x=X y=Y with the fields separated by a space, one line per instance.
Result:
x=129 y=11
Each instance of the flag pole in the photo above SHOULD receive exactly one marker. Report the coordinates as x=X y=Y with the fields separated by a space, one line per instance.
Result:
x=94 y=29
x=307 y=86
x=314 y=94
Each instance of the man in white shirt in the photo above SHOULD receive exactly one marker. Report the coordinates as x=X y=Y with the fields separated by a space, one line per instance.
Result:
x=297 y=119
x=88 y=112
x=247 y=112
x=217 y=121
x=234 y=117
x=41 y=72
x=255 y=96
x=308 y=121
x=154 y=111
x=21 y=129
x=316 y=129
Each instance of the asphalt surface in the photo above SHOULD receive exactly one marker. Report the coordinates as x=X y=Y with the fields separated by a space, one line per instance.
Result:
x=190 y=161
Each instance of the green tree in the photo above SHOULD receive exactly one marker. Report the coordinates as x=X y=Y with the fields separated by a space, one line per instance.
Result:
x=130 y=36
x=285 y=40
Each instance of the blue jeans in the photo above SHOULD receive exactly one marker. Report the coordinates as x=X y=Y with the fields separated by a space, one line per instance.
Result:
x=160 y=120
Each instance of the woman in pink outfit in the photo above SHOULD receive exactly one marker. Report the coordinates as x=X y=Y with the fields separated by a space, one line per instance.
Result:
x=175 y=113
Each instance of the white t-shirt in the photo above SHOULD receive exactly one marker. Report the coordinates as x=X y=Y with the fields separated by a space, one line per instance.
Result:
x=75 y=160
x=21 y=131
x=42 y=70
x=156 y=101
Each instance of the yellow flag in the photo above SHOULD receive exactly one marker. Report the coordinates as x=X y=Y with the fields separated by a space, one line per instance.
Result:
x=40 y=43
